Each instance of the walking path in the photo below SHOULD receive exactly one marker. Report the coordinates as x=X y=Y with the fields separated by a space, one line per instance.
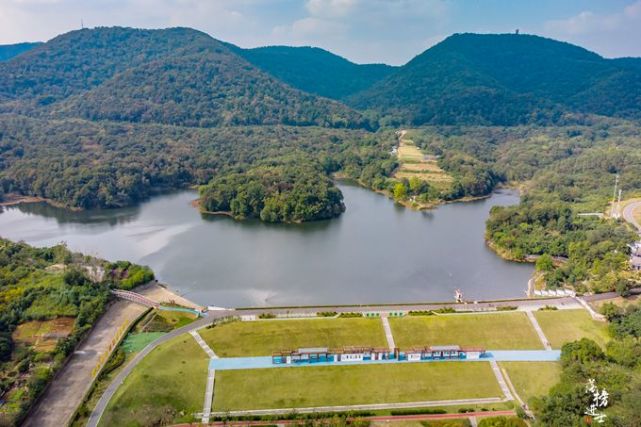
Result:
x=508 y=380
x=95 y=416
x=365 y=407
x=388 y=332
x=539 y=331
x=194 y=333
x=211 y=375
x=594 y=314
x=499 y=378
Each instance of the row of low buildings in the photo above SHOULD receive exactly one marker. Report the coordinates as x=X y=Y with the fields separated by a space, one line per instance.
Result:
x=360 y=354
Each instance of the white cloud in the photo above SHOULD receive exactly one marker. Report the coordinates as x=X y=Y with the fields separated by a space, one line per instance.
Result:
x=610 y=34
x=331 y=8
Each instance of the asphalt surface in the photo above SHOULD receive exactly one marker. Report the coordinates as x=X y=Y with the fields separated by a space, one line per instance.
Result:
x=94 y=419
x=628 y=214
x=68 y=389
x=218 y=314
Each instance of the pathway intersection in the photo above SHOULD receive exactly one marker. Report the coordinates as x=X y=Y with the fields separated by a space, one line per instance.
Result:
x=264 y=362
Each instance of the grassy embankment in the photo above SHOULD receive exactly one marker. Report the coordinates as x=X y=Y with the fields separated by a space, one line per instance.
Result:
x=500 y=331
x=149 y=328
x=352 y=385
x=561 y=326
x=262 y=338
x=166 y=387
x=532 y=379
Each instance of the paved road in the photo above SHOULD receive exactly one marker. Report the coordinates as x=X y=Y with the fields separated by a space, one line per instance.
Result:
x=94 y=419
x=70 y=386
x=212 y=315
x=629 y=216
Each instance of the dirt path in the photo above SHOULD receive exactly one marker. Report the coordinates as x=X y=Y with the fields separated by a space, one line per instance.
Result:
x=68 y=389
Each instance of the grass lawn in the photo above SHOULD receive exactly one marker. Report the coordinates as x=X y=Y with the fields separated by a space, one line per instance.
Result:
x=262 y=338
x=561 y=326
x=165 y=388
x=532 y=378
x=352 y=385
x=501 y=331
x=134 y=342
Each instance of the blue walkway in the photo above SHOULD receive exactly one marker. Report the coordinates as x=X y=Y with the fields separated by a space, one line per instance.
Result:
x=231 y=363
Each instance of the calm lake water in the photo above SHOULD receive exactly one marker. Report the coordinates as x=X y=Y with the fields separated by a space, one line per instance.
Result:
x=375 y=252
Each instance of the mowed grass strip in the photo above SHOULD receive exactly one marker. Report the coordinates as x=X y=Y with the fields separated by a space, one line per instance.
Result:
x=263 y=337
x=532 y=379
x=561 y=326
x=166 y=387
x=501 y=331
x=299 y=387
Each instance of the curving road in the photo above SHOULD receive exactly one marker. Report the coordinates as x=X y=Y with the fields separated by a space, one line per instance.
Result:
x=94 y=419
x=628 y=214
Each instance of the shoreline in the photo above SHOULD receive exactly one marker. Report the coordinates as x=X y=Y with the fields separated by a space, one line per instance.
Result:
x=13 y=199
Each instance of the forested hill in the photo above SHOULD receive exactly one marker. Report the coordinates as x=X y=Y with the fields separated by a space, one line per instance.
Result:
x=8 y=51
x=505 y=79
x=316 y=70
x=176 y=76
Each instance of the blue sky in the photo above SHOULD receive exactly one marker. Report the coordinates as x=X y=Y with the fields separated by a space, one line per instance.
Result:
x=390 y=31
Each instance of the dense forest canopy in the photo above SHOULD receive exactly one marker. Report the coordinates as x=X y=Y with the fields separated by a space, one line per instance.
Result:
x=295 y=191
x=505 y=79
x=177 y=76
x=8 y=51
x=48 y=286
x=316 y=70
x=108 y=116
x=614 y=368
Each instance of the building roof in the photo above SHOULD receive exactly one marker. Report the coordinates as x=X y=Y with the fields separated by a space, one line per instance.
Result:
x=635 y=261
x=445 y=348
x=312 y=350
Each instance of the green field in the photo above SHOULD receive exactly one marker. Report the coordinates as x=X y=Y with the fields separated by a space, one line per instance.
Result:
x=532 y=378
x=561 y=326
x=134 y=342
x=501 y=331
x=352 y=385
x=261 y=338
x=166 y=387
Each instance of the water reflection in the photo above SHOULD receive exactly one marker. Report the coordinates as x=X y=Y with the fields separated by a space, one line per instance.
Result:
x=375 y=252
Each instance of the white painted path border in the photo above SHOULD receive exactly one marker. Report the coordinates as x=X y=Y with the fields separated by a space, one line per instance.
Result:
x=211 y=376
x=539 y=331
x=388 y=332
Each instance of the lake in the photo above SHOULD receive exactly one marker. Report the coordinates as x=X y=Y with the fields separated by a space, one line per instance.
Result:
x=376 y=252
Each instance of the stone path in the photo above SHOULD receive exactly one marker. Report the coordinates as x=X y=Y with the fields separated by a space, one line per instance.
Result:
x=539 y=331
x=501 y=380
x=388 y=332
x=211 y=376
x=194 y=333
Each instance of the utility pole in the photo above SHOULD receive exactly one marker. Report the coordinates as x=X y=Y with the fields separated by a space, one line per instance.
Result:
x=619 y=204
x=614 y=197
